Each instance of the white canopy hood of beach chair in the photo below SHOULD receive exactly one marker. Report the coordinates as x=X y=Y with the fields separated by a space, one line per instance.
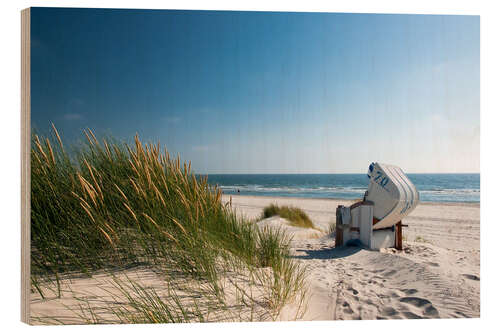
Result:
x=393 y=195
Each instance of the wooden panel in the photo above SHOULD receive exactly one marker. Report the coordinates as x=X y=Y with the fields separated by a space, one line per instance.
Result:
x=399 y=236
x=25 y=166
x=339 y=236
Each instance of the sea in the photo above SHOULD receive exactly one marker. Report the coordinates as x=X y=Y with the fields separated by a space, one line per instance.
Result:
x=431 y=187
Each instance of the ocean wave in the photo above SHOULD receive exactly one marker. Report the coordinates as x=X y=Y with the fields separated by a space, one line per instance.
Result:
x=334 y=188
x=461 y=195
x=451 y=191
x=261 y=188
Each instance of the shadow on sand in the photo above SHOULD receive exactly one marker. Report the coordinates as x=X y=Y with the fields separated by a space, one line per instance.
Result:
x=328 y=253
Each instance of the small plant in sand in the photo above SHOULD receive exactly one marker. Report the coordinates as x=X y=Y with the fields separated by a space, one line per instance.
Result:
x=111 y=205
x=296 y=216
x=332 y=227
x=421 y=239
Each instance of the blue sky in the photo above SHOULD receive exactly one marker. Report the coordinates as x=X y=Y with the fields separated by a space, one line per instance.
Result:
x=262 y=92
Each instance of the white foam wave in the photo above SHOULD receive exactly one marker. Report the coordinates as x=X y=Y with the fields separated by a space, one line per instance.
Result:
x=288 y=189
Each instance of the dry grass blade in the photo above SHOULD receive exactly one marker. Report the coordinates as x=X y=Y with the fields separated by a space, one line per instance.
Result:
x=57 y=136
x=107 y=236
x=121 y=192
x=87 y=211
x=158 y=227
x=51 y=152
x=130 y=211
x=93 y=136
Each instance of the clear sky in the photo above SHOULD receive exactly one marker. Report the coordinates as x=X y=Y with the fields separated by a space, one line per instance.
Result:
x=262 y=92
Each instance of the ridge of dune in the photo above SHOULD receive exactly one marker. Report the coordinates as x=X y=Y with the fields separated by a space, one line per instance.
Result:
x=296 y=233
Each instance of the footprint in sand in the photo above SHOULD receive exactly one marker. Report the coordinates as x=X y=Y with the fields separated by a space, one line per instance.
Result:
x=389 y=273
x=460 y=314
x=354 y=291
x=433 y=264
x=369 y=302
x=411 y=315
x=423 y=304
x=388 y=311
x=471 y=277
x=415 y=301
x=346 y=308
x=395 y=294
x=409 y=291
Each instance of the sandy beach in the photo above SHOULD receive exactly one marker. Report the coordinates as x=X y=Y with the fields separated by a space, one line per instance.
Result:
x=435 y=276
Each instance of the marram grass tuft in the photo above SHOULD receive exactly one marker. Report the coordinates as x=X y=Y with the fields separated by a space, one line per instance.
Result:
x=296 y=216
x=111 y=205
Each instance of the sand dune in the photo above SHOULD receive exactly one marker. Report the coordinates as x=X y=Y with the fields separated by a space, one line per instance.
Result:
x=296 y=233
x=435 y=276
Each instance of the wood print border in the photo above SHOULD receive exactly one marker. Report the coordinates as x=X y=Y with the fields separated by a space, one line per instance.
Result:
x=25 y=165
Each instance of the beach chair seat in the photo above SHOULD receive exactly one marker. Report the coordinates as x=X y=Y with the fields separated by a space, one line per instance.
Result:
x=377 y=220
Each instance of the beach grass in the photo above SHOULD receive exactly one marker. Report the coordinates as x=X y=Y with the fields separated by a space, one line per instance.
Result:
x=332 y=227
x=111 y=205
x=296 y=216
